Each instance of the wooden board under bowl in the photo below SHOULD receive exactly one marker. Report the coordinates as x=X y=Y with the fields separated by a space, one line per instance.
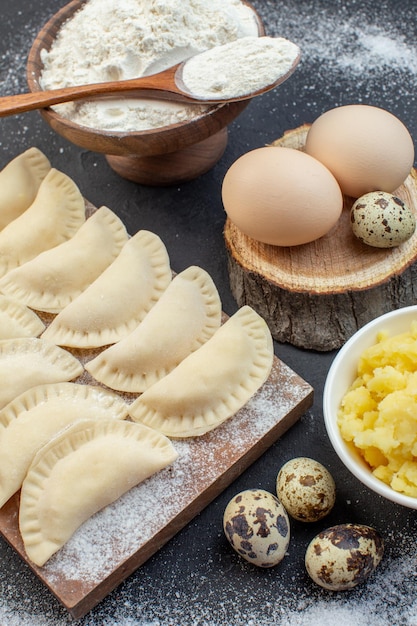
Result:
x=316 y=295
x=117 y=540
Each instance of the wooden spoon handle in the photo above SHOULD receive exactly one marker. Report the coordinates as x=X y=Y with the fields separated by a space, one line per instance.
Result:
x=160 y=85
x=10 y=105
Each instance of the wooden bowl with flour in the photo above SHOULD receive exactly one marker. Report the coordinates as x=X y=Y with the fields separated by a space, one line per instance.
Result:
x=161 y=156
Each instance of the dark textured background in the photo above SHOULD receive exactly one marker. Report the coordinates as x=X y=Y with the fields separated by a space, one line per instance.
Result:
x=352 y=52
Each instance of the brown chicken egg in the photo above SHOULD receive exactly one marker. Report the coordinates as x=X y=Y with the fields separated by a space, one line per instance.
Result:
x=343 y=556
x=365 y=147
x=257 y=526
x=306 y=489
x=281 y=196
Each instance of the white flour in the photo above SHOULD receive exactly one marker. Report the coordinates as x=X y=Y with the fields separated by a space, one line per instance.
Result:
x=112 y=40
x=239 y=67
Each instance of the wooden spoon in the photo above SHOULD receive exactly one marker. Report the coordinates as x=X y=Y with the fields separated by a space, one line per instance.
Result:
x=167 y=85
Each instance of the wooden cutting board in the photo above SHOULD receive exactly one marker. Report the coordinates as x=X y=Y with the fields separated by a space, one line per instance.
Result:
x=121 y=537
x=317 y=295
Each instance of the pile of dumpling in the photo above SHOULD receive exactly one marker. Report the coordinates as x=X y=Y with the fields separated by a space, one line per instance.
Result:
x=79 y=297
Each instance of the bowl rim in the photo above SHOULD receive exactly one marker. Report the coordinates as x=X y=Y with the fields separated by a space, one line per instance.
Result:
x=34 y=64
x=354 y=346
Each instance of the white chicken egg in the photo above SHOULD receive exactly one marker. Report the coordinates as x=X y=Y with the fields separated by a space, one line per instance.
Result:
x=365 y=147
x=343 y=556
x=281 y=196
x=306 y=489
x=382 y=220
x=257 y=527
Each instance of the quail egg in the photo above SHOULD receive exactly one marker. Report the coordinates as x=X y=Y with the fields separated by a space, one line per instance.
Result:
x=306 y=489
x=343 y=556
x=382 y=220
x=257 y=527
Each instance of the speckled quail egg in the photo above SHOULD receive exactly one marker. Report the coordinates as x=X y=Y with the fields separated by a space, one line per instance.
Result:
x=306 y=489
x=257 y=527
x=343 y=556
x=382 y=220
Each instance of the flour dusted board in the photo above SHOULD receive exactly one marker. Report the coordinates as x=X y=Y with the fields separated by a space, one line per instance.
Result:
x=121 y=537
x=118 y=539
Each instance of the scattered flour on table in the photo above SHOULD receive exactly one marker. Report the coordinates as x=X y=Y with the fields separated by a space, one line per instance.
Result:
x=365 y=53
x=388 y=598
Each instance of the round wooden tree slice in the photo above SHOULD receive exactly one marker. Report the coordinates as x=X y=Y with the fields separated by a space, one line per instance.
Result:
x=316 y=295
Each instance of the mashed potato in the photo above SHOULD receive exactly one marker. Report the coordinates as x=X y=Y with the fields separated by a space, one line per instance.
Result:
x=378 y=414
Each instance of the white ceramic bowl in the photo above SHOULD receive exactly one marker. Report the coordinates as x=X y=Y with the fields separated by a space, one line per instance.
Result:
x=341 y=375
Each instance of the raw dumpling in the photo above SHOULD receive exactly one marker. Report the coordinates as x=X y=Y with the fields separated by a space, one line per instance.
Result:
x=19 y=183
x=211 y=384
x=185 y=317
x=54 y=216
x=60 y=491
x=25 y=363
x=40 y=413
x=16 y=320
x=114 y=304
x=55 y=277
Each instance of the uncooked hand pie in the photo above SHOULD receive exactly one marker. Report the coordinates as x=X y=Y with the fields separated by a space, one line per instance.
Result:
x=38 y=414
x=212 y=383
x=55 y=277
x=60 y=491
x=118 y=300
x=183 y=319
x=25 y=173
x=27 y=362
x=55 y=215
x=17 y=320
